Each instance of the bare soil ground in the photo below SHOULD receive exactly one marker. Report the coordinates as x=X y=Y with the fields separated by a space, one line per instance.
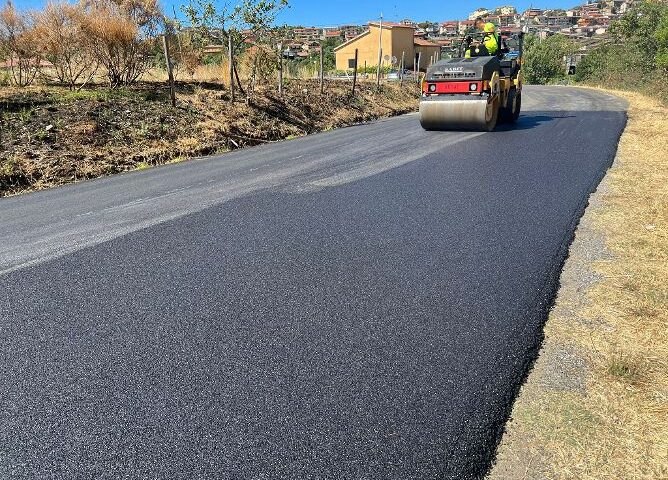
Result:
x=596 y=403
x=50 y=136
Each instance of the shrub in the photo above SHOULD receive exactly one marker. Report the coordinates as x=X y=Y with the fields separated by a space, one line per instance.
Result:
x=64 y=43
x=544 y=60
x=18 y=43
x=122 y=35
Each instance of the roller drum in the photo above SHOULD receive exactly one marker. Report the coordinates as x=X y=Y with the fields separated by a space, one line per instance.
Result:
x=458 y=113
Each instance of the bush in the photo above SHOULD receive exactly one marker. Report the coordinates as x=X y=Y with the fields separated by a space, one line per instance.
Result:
x=19 y=44
x=122 y=36
x=639 y=58
x=64 y=43
x=544 y=60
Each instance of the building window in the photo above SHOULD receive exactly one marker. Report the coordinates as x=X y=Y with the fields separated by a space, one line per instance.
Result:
x=351 y=63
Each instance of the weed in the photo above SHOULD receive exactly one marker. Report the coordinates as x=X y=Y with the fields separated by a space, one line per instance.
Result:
x=621 y=367
x=25 y=114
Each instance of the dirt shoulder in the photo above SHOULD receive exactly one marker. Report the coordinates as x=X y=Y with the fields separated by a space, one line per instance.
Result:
x=50 y=136
x=595 y=405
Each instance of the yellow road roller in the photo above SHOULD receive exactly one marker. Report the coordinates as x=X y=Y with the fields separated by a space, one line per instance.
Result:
x=472 y=93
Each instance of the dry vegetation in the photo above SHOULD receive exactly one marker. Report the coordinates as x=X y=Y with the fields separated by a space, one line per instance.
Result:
x=596 y=404
x=50 y=136
x=83 y=88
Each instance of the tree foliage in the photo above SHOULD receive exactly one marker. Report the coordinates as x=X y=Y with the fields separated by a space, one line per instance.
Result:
x=638 y=58
x=122 y=34
x=63 y=42
x=544 y=60
x=644 y=29
x=19 y=45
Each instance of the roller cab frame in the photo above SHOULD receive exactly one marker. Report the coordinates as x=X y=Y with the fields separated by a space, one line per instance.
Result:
x=472 y=93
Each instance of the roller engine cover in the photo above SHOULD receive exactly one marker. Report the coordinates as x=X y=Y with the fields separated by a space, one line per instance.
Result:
x=458 y=69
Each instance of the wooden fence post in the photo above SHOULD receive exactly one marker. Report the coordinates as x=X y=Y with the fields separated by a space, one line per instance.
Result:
x=230 y=59
x=355 y=72
x=280 y=69
x=380 y=51
x=322 y=71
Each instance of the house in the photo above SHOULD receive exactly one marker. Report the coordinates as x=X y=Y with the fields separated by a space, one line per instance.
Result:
x=333 y=34
x=397 y=40
x=506 y=10
x=426 y=52
x=466 y=26
x=449 y=28
x=481 y=12
x=306 y=34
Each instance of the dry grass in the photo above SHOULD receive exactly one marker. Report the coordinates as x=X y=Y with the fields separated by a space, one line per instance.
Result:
x=617 y=426
x=51 y=136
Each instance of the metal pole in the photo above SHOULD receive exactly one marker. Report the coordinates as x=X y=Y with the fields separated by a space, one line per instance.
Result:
x=170 y=73
x=418 y=66
x=380 y=50
x=403 y=65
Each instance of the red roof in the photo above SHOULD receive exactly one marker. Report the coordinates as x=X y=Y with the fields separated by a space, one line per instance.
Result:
x=424 y=43
x=33 y=62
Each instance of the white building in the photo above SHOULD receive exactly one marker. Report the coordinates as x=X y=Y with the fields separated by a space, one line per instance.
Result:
x=481 y=12
x=506 y=10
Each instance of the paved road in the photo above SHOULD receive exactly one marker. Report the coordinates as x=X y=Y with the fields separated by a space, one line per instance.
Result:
x=358 y=304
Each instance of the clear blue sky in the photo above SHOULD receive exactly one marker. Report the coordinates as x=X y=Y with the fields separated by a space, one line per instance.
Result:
x=336 y=12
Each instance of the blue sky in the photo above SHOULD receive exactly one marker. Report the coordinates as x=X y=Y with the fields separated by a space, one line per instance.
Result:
x=336 y=12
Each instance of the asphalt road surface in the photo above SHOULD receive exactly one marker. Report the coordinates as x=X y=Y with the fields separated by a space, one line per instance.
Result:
x=357 y=304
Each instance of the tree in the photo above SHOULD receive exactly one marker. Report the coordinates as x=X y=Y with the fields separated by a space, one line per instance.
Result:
x=19 y=43
x=122 y=35
x=64 y=43
x=544 y=60
x=644 y=29
x=661 y=36
x=224 y=22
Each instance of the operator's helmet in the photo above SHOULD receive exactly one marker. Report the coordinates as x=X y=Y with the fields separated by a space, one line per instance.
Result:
x=489 y=27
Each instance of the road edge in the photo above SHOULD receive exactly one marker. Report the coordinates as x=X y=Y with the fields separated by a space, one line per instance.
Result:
x=557 y=425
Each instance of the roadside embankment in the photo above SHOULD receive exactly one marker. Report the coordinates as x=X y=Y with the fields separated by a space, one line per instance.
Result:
x=595 y=405
x=50 y=136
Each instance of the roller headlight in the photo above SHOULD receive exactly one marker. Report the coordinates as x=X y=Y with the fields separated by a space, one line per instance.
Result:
x=432 y=87
x=473 y=87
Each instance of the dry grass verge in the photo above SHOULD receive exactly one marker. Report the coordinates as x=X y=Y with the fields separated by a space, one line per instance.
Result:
x=51 y=136
x=596 y=404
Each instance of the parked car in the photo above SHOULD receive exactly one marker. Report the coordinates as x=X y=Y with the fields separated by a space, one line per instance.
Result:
x=395 y=75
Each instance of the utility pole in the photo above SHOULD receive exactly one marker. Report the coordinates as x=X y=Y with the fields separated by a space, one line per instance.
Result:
x=419 y=61
x=380 y=50
x=170 y=72
x=322 y=71
x=403 y=64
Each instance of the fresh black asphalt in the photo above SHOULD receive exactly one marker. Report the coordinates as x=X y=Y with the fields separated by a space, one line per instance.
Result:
x=375 y=325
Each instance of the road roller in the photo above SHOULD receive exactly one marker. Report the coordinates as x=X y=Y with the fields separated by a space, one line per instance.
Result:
x=472 y=93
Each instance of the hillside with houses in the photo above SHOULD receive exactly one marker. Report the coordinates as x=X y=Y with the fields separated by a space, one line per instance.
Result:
x=588 y=24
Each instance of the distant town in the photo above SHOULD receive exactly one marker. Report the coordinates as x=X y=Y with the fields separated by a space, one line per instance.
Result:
x=587 y=23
